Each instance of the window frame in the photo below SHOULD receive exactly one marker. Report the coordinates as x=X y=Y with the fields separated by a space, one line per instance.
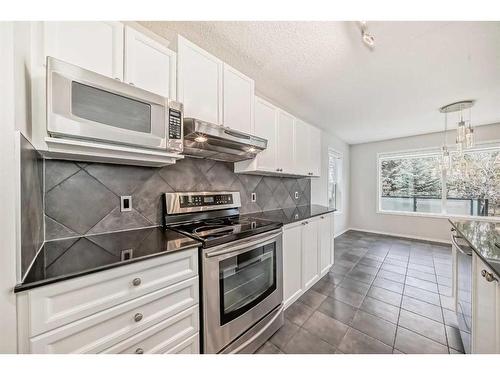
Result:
x=429 y=151
x=338 y=155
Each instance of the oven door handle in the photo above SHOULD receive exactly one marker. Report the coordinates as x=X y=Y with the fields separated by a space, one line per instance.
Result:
x=459 y=248
x=255 y=240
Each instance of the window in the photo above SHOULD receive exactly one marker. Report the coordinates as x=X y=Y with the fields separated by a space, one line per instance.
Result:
x=334 y=179
x=415 y=183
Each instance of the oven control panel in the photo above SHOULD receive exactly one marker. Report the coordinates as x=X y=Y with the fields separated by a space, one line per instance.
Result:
x=187 y=201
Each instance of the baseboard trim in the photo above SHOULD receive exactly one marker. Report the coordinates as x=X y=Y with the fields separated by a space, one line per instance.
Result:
x=341 y=233
x=399 y=235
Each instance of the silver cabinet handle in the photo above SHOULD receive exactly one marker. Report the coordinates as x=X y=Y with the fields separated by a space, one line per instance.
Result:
x=138 y=317
x=131 y=83
x=454 y=242
x=136 y=282
x=139 y=351
x=488 y=276
x=277 y=169
x=118 y=79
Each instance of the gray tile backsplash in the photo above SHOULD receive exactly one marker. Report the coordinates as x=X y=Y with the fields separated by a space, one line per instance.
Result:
x=83 y=198
x=31 y=203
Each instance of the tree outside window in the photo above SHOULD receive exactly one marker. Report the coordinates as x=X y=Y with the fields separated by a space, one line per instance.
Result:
x=416 y=184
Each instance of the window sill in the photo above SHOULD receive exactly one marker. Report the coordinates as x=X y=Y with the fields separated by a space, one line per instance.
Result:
x=440 y=216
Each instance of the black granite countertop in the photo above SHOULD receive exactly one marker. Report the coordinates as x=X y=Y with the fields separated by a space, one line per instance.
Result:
x=68 y=258
x=483 y=237
x=293 y=214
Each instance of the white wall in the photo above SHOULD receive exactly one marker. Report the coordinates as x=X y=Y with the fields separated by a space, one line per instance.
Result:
x=319 y=186
x=363 y=187
x=8 y=171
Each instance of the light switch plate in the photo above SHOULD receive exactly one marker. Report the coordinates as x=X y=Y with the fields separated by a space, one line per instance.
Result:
x=296 y=195
x=253 y=197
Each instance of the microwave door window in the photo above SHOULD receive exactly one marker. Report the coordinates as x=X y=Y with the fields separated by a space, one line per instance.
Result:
x=107 y=108
x=245 y=280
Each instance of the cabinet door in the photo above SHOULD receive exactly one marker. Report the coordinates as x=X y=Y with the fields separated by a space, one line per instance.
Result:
x=199 y=82
x=149 y=64
x=93 y=45
x=314 y=151
x=292 y=264
x=486 y=311
x=238 y=102
x=310 y=252
x=266 y=126
x=302 y=154
x=325 y=243
x=285 y=142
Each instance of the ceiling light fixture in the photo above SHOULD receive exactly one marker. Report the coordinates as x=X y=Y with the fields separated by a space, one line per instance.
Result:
x=366 y=37
x=465 y=132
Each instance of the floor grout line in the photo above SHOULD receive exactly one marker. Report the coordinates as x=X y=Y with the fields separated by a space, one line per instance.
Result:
x=360 y=253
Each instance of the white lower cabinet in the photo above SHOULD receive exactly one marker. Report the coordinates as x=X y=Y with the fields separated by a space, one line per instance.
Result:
x=310 y=252
x=325 y=230
x=162 y=337
x=292 y=263
x=145 y=307
x=485 y=309
x=307 y=255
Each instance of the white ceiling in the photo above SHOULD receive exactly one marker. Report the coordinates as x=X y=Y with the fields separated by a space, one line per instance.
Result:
x=321 y=71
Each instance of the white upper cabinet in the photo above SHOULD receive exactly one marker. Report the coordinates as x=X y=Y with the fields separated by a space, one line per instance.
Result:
x=93 y=45
x=285 y=143
x=266 y=126
x=148 y=64
x=238 y=106
x=314 y=151
x=307 y=149
x=199 y=82
x=302 y=135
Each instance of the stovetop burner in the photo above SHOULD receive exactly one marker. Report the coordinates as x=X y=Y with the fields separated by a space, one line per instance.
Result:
x=212 y=217
x=213 y=232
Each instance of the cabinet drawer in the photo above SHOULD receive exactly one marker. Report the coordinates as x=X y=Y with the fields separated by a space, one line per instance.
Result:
x=168 y=335
x=55 y=305
x=106 y=328
x=189 y=346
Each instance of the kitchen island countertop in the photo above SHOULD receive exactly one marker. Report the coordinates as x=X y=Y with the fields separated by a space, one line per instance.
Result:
x=484 y=238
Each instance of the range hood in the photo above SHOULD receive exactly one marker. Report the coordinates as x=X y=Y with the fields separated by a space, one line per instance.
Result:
x=205 y=140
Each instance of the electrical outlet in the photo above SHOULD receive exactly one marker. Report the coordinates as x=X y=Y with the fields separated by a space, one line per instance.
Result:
x=296 y=195
x=254 y=197
x=125 y=203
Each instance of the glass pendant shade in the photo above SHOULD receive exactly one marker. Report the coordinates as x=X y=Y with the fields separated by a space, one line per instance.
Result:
x=461 y=131
x=469 y=137
x=460 y=147
x=445 y=159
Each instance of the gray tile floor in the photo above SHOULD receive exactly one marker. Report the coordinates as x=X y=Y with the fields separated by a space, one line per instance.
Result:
x=383 y=295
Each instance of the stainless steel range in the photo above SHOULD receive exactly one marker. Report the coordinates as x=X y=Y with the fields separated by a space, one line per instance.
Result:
x=241 y=266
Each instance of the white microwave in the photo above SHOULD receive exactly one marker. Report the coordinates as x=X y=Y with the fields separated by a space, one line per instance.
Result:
x=86 y=105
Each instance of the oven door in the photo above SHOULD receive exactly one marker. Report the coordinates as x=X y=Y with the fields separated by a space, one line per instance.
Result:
x=242 y=283
x=86 y=105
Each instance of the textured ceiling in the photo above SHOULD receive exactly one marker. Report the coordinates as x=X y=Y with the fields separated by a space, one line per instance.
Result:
x=321 y=72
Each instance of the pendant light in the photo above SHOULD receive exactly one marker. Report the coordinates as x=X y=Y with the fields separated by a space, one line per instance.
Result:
x=445 y=159
x=465 y=132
